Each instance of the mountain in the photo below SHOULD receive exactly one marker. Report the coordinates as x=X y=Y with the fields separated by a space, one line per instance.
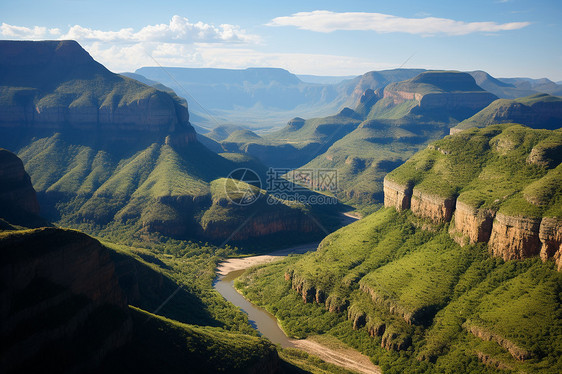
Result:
x=257 y=97
x=387 y=126
x=459 y=273
x=512 y=88
x=536 y=111
x=71 y=303
x=113 y=156
x=264 y=98
x=542 y=85
x=324 y=79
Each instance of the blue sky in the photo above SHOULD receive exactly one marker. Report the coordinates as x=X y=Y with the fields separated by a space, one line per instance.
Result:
x=505 y=38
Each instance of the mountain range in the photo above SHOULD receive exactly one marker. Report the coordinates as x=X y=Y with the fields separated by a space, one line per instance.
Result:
x=455 y=267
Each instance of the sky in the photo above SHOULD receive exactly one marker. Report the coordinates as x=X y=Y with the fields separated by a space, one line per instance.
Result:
x=506 y=38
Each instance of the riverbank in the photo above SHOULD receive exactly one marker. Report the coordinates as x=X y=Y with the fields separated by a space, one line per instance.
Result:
x=333 y=352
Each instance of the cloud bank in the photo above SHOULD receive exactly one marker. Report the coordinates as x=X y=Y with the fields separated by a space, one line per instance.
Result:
x=178 y=30
x=326 y=21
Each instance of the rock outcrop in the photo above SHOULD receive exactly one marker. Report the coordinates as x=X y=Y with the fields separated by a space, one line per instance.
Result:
x=509 y=237
x=445 y=91
x=472 y=223
x=16 y=191
x=426 y=205
x=58 y=86
x=397 y=195
x=57 y=284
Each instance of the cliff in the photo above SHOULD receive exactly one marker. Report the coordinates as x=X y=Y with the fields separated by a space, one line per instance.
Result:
x=467 y=177
x=18 y=201
x=454 y=92
x=58 y=287
x=539 y=111
x=57 y=86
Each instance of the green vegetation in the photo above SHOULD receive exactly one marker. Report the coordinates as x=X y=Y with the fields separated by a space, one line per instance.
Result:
x=536 y=111
x=507 y=168
x=162 y=345
x=385 y=280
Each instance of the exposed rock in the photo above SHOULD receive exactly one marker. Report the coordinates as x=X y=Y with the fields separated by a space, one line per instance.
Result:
x=515 y=237
x=396 y=195
x=18 y=200
x=50 y=272
x=517 y=352
x=434 y=207
x=336 y=304
x=66 y=89
x=550 y=235
x=474 y=224
x=394 y=341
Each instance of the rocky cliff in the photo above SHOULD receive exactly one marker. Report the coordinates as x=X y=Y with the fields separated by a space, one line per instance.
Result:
x=18 y=201
x=448 y=91
x=539 y=111
x=59 y=295
x=465 y=177
x=56 y=85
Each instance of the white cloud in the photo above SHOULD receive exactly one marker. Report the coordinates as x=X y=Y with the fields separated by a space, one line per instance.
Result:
x=30 y=33
x=327 y=21
x=178 y=30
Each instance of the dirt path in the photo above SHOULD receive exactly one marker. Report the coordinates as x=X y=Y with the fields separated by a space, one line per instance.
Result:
x=344 y=357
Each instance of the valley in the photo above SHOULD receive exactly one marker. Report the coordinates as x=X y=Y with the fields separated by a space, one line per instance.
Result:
x=402 y=220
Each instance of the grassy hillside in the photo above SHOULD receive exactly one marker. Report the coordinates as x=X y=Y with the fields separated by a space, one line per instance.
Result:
x=536 y=111
x=507 y=168
x=414 y=300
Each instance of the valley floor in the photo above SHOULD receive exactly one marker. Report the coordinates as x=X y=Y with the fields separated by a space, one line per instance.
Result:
x=335 y=352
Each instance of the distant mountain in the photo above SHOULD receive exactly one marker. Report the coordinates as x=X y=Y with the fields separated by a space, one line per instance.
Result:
x=324 y=79
x=385 y=129
x=459 y=273
x=512 y=88
x=539 y=111
x=110 y=154
x=266 y=97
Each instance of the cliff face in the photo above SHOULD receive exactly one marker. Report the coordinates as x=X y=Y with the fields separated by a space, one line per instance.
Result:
x=56 y=85
x=18 y=200
x=439 y=90
x=397 y=195
x=509 y=237
x=56 y=285
x=472 y=176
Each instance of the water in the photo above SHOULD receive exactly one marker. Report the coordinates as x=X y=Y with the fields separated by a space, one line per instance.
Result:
x=260 y=319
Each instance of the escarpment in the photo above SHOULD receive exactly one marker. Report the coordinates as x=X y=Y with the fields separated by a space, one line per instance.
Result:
x=56 y=286
x=18 y=200
x=449 y=91
x=57 y=86
x=510 y=220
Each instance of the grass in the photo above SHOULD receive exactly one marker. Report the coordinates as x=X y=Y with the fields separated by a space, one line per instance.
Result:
x=526 y=110
x=424 y=289
x=492 y=168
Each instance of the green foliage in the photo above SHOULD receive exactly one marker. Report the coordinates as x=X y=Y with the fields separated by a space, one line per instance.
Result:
x=391 y=271
x=161 y=345
x=501 y=167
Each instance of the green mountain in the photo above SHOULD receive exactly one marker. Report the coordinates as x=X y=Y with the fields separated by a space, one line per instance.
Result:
x=71 y=303
x=116 y=157
x=418 y=286
x=539 y=111
x=385 y=129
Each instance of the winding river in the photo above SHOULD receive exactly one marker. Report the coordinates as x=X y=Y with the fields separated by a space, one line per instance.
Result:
x=260 y=319
x=266 y=323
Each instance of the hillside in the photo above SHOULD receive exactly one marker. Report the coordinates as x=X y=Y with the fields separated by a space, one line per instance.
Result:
x=113 y=156
x=386 y=128
x=412 y=287
x=539 y=111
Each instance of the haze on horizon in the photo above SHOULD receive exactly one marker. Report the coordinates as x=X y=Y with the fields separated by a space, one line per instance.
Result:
x=506 y=38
